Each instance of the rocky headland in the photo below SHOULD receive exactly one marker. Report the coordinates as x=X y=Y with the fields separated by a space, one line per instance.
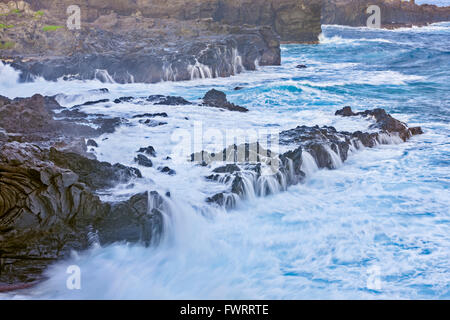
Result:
x=394 y=13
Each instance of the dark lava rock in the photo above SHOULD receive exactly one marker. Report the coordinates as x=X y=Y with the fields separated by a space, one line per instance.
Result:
x=150 y=151
x=107 y=125
x=93 y=173
x=222 y=200
x=416 y=131
x=301 y=66
x=92 y=143
x=33 y=119
x=90 y=103
x=46 y=212
x=73 y=113
x=229 y=168
x=168 y=100
x=218 y=99
x=238 y=88
x=384 y=121
x=327 y=146
x=123 y=99
x=140 y=226
x=101 y=90
x=143 y=161
x=4 y=100
x=151 y=115
x=152 y=123
x=345 y=112
x=167 y=170
x=395 y=14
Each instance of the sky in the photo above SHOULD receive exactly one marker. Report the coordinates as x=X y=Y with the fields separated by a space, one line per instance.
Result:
x=437 y=2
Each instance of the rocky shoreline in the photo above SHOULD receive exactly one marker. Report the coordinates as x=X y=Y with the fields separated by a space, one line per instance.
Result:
x=50 y=183
x=311 y=148
x=162 y=41
x=127 y=42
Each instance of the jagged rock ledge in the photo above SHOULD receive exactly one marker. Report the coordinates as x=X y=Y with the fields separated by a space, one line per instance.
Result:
x=49 y=184
x=312 y=148
x=48 y=191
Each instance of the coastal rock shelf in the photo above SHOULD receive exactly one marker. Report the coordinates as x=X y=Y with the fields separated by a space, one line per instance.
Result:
x=313 y=148
x=50 y=183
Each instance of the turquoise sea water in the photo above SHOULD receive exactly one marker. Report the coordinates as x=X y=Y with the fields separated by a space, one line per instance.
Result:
x=384 y=215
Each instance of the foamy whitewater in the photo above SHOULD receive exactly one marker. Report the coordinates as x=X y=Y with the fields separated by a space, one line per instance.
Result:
x=384 y=213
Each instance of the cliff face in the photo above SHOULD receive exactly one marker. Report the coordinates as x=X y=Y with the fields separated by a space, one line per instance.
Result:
x=152 y=40
x=293 y=20
x=393 y=13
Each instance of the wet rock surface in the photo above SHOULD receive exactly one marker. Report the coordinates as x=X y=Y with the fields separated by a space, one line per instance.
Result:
x=48 y=190
x=218 y=99
x=31 y=119
x=95 y=174
x=168 y=100
x=264 y=173
x=205 y=41
x=150 y=151
x=143 y=161
x=46 y=211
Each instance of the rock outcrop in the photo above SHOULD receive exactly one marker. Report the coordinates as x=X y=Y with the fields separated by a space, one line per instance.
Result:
x=311 y=148
x=48 y=191
x=218 y=99
x=394 y=13
x=47 y=210
x=183 y=40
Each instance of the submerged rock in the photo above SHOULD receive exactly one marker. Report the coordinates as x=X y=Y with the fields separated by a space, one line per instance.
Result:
x=150 y=151
x=167 y=170
x=143 y=161
x=92 y=143
x=151 y=115
x=91 y=103
x=123 y=99
x=168 y=100
x=152 y=123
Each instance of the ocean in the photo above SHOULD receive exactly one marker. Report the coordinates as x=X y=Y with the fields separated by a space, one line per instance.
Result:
x=380 y=218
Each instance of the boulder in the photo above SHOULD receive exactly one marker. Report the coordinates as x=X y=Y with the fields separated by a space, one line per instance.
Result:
x=218 y=99
x=143 y=161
